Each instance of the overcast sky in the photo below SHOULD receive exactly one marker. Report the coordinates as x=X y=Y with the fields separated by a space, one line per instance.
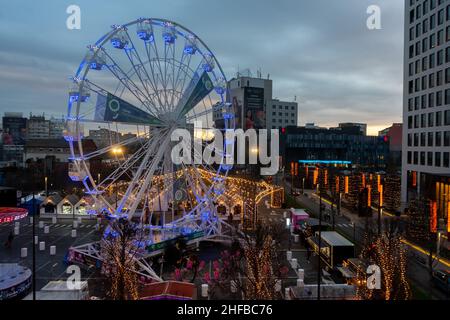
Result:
x=318 y=50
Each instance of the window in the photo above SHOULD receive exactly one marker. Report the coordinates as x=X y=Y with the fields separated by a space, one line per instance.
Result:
x=439 y=78
x=416 y=139
x=438 y=140
x=409 y=140
x=438 y=118
x=422 y=139
x=429 y=158
x=432 y=60
x=424 y=101
x=409 y=157
x=416 y=157
x=440 y=37
x=422 y=158
x=439 y=98
x=437 y=159
x=440 y=57
x=447 y=75
x=432 y=21
x=447 y=96
x=431 y=80
x=425 y=45
x=447 y=139
x=447 y=117
x=431 y=100
x=432 y=42
x=440 y=17
x=411 y=16
x=430 y=139
x=431 y=119
x=446 y=162
x=424 y=63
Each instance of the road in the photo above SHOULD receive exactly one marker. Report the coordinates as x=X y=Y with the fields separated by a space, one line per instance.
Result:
x=48 y=267
x=353 y=227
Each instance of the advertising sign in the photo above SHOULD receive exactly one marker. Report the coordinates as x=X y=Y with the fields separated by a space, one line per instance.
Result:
x=197 y=90
x=113 y=108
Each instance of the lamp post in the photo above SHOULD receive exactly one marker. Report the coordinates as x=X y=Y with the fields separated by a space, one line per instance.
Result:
x=303 y=185
x=46 y=185
x=34 y=248
x=379 y=212
x=319 y=269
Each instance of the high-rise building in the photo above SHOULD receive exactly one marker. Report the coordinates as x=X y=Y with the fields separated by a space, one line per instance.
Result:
x=56 y=128
x=249 y=97
x=426 y=106
x=14 y=128
x=281 y=114
x=362 y=126
x=38 y=127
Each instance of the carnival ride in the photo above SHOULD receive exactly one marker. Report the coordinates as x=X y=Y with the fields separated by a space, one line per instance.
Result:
x=149 y=77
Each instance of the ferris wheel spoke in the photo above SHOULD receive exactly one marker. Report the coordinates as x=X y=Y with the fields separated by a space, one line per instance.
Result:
x=128 y=83
x=111 y=147
x=148 y=176
x=148 y=80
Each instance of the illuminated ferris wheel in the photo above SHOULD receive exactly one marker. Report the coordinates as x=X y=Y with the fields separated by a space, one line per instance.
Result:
x=136 y=85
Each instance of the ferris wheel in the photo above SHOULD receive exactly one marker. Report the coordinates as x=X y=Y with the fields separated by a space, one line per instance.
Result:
x=136 y=85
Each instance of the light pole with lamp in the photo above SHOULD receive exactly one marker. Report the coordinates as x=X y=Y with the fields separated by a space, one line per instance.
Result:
x=319 y=268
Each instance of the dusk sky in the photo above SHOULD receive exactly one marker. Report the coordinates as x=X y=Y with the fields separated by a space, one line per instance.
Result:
x=318 y=50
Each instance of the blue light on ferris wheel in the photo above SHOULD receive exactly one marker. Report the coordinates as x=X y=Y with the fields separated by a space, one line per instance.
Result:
x=146 y=36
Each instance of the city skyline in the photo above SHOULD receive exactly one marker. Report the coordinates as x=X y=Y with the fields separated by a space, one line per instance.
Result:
x=336 y=78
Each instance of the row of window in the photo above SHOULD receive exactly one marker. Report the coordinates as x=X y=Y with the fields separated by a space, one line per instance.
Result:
x=429 y=120
x=429 y=139
x=426 y=158
x=281 y=114
x=431 y=100
x=285 y=121
x=429 y=81
x=281 y=107
x=423 y=9
x=429 y=43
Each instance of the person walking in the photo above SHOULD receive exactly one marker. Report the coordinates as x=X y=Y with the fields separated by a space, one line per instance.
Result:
x=8 y=242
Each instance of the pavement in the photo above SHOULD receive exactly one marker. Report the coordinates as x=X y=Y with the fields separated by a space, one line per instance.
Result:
x=48 y=267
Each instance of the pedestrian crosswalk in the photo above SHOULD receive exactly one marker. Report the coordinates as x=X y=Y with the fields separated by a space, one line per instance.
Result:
x=344 y=225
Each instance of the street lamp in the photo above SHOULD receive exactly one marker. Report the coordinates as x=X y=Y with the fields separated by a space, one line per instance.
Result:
x=46 y=183
x=319 y=268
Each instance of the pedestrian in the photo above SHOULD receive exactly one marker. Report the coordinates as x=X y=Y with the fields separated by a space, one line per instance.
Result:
x=8 y=242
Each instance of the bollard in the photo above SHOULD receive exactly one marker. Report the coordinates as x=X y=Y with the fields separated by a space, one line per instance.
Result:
x=287 y=294
x=52 y=250
x=31 y=219
x=46 y=229
x=74 y=233
x=296 y=238
x=53 y=220
x=294 y=263
x=23 y=252
x=300 y=283
x=301 y=274
x=278 y=285
x=41 y=224
x=285 y=214
x=204 y=290
x=75 y=224
x=79 y=220
x=289 y=255
x=42 y=246
x=233 y=286
x=36 y=239
x=16 y=231
x=17 y=224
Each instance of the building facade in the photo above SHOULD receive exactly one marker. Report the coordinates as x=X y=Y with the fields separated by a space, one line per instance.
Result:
x=334 y=145
x=426 y=108
x=281 y=114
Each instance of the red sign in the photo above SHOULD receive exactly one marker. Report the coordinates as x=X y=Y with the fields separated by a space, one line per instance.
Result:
x=8 y=215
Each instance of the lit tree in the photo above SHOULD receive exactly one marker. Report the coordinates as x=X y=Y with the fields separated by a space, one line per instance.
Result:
x=391 y=192
x=118 y=250
x=390 y=255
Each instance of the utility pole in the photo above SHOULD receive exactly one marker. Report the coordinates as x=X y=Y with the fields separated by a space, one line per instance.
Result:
x=379 y=213
x=319 y=269
x=34 y=247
